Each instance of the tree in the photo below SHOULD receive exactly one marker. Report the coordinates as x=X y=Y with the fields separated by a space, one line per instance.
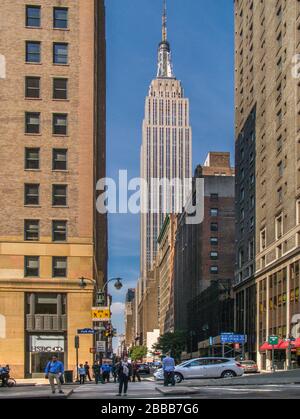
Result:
x=138 y=353
x=173 y=343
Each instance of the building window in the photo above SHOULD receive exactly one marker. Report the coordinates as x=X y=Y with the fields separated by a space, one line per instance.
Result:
x=214 y=197
x=32 y=158
x=32 y=123
x=263 y=240
x=60 y=124
x=241 y=258
x=59 y=195
x=32 y=266
x=60 y=18
x=31 y=230
x=279 y=226
x=214 y=212
x=214 y=241
x=298 y=211
x=32 y=87
x=59 y=159
x=60 y=89
x=214 y=227
x=280 y=196
x=60 y=54
x=251 y=250
x=33 y=16
x=59 y=231
x=33 y=52
x=59 y=267
x=214 y=270
x=214 y=255
x=31 y=194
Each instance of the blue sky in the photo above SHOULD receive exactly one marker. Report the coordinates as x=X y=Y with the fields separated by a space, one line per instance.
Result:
x=201 y=34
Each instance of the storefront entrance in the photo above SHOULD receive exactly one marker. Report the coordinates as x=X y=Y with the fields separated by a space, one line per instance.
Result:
x=40 y=351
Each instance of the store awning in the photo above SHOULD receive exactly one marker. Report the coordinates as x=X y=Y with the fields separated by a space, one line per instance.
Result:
x=295 y=344
x=266 y=347
x=283 y=345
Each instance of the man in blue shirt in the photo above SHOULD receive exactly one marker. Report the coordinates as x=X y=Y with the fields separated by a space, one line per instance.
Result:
x=169 y=370
x=54 y=372
x=106 y=370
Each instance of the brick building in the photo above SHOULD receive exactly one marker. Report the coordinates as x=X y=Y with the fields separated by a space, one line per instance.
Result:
x=204 y=253
x=52 y=139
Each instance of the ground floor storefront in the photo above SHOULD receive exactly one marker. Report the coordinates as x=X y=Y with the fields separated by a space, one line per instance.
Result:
x=39 y=321
x=278 y=314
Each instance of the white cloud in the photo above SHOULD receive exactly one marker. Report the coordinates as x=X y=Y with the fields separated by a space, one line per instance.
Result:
x=117 y=308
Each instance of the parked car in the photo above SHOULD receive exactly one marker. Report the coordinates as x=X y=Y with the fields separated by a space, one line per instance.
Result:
x=250 y=367
x=205 y=368
x=144 y=369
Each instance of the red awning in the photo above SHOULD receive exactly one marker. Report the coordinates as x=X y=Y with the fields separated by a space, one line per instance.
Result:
x=266 y=347
x=283 y=345
x=295 y=344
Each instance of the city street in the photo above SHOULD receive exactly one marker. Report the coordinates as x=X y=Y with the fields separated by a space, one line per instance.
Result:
x=284 y=386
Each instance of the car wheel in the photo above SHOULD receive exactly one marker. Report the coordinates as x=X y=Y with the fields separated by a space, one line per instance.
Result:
x=178 y=378
x=228 y=374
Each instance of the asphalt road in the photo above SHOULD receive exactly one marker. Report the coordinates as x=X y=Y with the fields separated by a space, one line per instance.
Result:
x=147 y=390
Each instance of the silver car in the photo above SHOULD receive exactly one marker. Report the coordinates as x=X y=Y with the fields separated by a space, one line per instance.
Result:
x=205 y=368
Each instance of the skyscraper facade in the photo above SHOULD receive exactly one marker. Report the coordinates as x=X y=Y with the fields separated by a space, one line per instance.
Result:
x=52 y=141
x=166 y=151
x=268 y=173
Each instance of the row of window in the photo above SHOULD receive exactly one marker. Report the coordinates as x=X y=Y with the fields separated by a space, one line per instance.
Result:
x=33 y=123
x=59 y=195
x=33 y=52
x=32 y=230
x=60 y=17
x=33 y=88
x=59 y=159
x=32 y=267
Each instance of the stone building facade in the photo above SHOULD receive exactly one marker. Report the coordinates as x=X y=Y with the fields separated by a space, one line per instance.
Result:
x=52 y=139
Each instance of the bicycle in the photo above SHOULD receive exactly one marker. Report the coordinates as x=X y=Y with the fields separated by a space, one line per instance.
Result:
x=9 y=382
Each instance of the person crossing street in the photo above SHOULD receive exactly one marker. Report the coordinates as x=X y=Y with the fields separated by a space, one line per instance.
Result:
x=169 y=370
x=54 y=372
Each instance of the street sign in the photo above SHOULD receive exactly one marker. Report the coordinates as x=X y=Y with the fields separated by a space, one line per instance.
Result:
x=100 y=346
x=100 y=314
x=273 y=340
x=86 y=331
x=230 y=338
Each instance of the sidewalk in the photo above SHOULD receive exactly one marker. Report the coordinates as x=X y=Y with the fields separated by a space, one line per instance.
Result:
x=33 y=392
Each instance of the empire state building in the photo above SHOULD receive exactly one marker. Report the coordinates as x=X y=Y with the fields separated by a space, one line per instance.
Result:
x=166 y=151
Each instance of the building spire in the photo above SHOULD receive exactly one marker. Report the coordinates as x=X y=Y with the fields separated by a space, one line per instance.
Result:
x=164 y=22
x=165 y=67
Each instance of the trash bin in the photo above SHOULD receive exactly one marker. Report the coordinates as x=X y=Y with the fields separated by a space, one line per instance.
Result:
x=68 y=377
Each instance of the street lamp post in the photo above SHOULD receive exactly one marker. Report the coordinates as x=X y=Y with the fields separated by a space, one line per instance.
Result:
x=102 y=301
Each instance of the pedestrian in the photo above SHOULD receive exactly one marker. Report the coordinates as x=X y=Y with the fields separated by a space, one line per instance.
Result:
x=169 y=370
x=54 y=371
x=135 y=372
x=87 y=371
x=124 y=374
x=114 y=371
x=106 y=369
x=97 y=372
x=82 y=374
x=4 y=375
